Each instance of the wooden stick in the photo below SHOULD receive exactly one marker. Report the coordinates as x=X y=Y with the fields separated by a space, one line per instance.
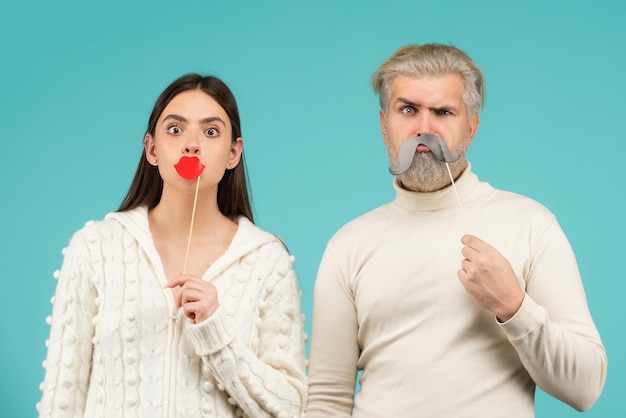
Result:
x=193 y=215
x=458 y=199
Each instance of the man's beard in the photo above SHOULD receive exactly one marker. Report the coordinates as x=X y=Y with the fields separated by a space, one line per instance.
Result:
x=427 y=173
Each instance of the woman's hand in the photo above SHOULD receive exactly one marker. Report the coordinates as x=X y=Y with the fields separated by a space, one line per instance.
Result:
x=197 y=297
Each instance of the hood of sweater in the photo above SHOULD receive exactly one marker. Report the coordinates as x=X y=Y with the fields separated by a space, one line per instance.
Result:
x=247 y=238
x=466 y=185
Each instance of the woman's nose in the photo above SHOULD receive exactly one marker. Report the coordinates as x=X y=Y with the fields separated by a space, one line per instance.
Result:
x=191 y=145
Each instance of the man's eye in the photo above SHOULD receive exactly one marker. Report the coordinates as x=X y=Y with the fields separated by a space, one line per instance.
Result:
x=212 y=132
x=444 y=112
x=407 y=110
x=174 y=129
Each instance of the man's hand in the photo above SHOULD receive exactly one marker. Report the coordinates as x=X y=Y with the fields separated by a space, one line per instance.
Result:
x=489 y=278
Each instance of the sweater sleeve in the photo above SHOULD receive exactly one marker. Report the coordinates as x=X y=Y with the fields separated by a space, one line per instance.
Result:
x=68 y=362
x=269 y=381
x=334 y=343
x=553 y=332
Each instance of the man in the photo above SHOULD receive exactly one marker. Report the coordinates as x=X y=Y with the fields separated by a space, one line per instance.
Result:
x=443 y=323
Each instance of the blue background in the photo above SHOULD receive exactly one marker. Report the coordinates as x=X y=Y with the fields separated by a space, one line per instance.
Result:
x=78 y=81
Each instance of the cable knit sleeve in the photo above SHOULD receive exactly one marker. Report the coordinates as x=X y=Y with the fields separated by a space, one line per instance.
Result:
x=264 y=372
x=553 y=331
x=68 y=362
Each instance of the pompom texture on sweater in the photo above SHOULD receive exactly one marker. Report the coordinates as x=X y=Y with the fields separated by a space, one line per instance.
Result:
x=119 y=348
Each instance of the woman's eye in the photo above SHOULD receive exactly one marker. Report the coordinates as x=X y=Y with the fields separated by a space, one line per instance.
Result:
x=212 y=132
x=174 y=129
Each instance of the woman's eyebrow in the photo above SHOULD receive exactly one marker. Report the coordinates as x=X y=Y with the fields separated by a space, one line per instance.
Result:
x=205 y=120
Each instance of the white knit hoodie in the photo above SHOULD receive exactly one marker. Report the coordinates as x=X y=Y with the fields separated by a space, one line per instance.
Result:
x=119 y=348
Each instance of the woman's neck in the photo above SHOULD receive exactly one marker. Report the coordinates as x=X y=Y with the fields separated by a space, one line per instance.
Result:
x=170 y=223
x=171 y=218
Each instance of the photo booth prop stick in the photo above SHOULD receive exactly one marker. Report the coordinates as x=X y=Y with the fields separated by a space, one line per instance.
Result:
x=458 y=199
x=438 y=147
x=190 y=168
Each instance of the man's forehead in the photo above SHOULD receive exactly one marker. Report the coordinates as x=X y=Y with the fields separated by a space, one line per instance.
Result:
x=446 y=87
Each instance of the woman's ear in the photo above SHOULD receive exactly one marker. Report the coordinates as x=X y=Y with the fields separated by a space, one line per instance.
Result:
x=148 y=146
x=234 y=156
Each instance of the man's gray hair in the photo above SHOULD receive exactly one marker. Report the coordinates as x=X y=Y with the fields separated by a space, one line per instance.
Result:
x=431 y=60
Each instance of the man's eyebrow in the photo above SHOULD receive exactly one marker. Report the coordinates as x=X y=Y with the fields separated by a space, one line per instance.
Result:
x=442 y=108
x=407 y=102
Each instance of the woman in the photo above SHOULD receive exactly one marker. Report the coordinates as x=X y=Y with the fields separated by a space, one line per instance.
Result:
x=153 y=319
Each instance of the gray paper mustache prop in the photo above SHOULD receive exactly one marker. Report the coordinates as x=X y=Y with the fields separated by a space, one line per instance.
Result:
x=435 y=144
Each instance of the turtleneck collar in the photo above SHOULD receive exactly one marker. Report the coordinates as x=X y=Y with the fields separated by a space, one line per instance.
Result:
x=444 y=198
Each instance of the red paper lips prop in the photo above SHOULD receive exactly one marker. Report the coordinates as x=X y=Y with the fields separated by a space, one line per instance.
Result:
x=189 y=168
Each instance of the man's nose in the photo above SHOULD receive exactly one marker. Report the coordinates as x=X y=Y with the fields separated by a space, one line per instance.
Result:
x=423 y=124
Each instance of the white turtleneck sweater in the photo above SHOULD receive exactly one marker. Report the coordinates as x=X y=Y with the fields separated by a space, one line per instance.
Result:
x=118 y=347
x=388 y=302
